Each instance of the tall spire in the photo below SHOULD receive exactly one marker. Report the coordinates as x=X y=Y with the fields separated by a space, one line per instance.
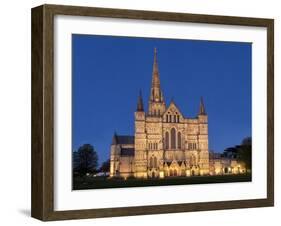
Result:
x=156 y=93
x=140 y=103
x=202 y=107
x=156 y=100
x=155 y=74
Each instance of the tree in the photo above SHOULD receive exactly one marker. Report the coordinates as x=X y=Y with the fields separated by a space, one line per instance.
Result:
x=105 y=167
x=86 y=159
x=247 y=141
x=230 y=153
x=242 y=152
x=75 y=160
x=245 y=152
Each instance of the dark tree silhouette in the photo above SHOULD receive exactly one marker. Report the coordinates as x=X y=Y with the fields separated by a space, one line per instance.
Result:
x=85 y=160
x=242 y=152
x=105 y=167
x=245 y=152
x=75 y=160
x=247 y=141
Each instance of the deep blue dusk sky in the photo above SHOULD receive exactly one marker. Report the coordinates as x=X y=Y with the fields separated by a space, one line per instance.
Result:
x=108 y=73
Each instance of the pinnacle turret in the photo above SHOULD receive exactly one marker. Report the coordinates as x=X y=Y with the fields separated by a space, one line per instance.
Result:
x=140 y=103
x=202 y=110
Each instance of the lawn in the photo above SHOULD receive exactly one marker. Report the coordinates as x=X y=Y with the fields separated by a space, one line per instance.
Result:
x=86 y=182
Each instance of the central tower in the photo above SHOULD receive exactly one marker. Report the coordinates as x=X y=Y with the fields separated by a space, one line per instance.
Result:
x=157 y=104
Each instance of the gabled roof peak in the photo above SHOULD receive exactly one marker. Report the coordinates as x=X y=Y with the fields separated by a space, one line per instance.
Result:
x=173 y=108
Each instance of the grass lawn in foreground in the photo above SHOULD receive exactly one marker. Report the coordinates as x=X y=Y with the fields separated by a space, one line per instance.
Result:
x=86 y=182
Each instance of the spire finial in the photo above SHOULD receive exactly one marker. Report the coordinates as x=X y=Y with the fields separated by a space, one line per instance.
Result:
x=202 y=110
x=140 y=103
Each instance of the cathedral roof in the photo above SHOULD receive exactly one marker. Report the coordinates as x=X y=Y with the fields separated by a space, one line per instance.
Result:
x=127 y=152
x=117 y=139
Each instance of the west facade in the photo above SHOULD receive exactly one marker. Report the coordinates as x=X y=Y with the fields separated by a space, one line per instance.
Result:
x=165 y=143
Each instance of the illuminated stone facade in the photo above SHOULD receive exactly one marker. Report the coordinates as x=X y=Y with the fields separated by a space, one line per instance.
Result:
x=165 y=144
x=225 y=165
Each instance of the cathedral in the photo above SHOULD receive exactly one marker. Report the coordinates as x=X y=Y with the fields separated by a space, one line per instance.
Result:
x=165 y=143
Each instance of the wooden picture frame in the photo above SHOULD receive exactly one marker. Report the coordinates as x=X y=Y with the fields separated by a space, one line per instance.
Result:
x=43 y=112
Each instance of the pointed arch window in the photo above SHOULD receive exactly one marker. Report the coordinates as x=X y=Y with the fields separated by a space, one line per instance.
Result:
x=167 y=118
x=167 y=140
x=194 y=146
x=179 y=140
x=175 y=118
x=155 y=162
x=173 y=138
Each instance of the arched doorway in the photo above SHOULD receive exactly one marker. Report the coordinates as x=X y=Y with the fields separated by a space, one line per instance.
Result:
x=171 y=172
x=182 y=172
x=225 y=170
x=192 y=173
